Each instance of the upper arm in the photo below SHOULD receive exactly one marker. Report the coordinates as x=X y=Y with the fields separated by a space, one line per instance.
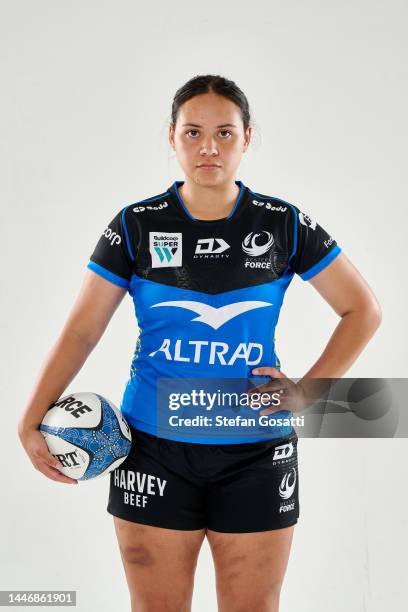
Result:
x=343 y=287
x=317 y=258
x=107 y=279
x=114 y=254
x=93 y=308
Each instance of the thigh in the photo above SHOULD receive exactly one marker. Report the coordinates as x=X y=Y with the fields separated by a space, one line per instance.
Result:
x=250 y=568
x=159 y=565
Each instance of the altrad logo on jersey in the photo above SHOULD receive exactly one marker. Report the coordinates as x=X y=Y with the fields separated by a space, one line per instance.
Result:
x=211 y=315
x=221 y=352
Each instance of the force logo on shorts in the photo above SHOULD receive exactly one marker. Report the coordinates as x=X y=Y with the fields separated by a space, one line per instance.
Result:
x=286 y=491
x=165 y=249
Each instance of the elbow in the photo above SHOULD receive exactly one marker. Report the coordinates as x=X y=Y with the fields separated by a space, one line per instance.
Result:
x=374 y=314
x=369 y=315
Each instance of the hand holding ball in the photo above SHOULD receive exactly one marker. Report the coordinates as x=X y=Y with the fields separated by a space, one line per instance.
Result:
x=87 y=434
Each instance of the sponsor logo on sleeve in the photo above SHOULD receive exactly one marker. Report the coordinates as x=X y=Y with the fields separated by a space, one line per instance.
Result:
x=112 y=237
x=307 y=221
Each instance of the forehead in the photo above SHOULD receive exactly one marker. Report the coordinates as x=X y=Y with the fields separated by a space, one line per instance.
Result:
x=209 y=109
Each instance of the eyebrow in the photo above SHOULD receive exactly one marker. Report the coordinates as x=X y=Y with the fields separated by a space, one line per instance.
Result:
x=218 y=126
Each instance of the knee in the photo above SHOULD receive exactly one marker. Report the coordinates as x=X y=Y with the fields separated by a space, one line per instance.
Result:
x=237 y=596
x=175 y=602
x=267 y=603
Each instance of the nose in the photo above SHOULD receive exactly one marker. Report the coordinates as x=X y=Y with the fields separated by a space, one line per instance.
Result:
x=208 y=146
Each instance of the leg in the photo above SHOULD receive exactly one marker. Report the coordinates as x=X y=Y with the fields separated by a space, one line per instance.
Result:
x=250 y=568
x=159 y=565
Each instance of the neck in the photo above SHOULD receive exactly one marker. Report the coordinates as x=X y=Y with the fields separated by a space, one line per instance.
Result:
x=209 y=202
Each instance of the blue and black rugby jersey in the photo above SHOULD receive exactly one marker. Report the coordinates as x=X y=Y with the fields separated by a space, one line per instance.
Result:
x=207 y=294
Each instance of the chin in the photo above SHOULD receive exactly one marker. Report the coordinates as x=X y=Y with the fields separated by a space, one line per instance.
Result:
x=204 y=179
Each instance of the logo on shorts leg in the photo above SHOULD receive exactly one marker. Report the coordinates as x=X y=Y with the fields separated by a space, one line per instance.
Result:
x=286 y=490
x=138 y=486
x=284 y=451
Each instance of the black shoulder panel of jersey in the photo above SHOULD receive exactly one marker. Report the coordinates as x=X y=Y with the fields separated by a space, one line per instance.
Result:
x=248 y=249
x=313 y=247
x=116 y=251
x=157 y=240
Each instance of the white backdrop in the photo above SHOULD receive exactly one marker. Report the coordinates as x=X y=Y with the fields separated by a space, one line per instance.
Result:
x=86 y=95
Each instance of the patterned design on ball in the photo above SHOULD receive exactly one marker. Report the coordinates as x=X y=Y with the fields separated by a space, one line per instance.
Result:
x=104 y=444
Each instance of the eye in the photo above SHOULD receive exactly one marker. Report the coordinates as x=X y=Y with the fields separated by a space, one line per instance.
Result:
x=220 y=132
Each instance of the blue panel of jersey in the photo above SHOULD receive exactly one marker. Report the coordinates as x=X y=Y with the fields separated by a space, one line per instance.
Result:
x=165 y=347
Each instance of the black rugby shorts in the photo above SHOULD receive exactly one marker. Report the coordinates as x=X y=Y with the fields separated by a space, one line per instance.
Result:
x=233 y=488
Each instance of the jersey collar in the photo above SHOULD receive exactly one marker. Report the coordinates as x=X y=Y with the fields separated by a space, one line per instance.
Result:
x=239 y=203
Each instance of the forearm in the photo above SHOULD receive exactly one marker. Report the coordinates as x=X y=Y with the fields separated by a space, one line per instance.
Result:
x=64 y=361
x=348 y=340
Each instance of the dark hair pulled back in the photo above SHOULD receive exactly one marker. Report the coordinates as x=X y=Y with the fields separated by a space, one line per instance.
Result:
x=208 y=83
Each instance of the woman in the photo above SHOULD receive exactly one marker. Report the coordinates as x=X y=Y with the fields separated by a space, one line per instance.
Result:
x=207 y=263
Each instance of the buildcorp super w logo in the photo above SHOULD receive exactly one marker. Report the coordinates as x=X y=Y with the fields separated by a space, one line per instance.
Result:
x=165 y=249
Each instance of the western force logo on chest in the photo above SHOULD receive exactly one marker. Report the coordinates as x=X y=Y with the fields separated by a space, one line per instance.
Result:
x=165 y=249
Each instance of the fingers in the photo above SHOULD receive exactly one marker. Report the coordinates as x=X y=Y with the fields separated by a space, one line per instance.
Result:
x=46 y=467
x=269 y=371
x=279 y=383
x=40 y=456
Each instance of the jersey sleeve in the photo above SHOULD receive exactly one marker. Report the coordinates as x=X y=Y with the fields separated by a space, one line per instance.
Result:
x=313 y=247
x=112 y=257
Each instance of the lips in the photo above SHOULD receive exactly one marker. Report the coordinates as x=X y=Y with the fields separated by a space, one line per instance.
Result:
x=208 y=166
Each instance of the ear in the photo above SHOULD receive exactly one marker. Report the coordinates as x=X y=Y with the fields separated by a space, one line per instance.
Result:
x=247 y=139
x=171 y=136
